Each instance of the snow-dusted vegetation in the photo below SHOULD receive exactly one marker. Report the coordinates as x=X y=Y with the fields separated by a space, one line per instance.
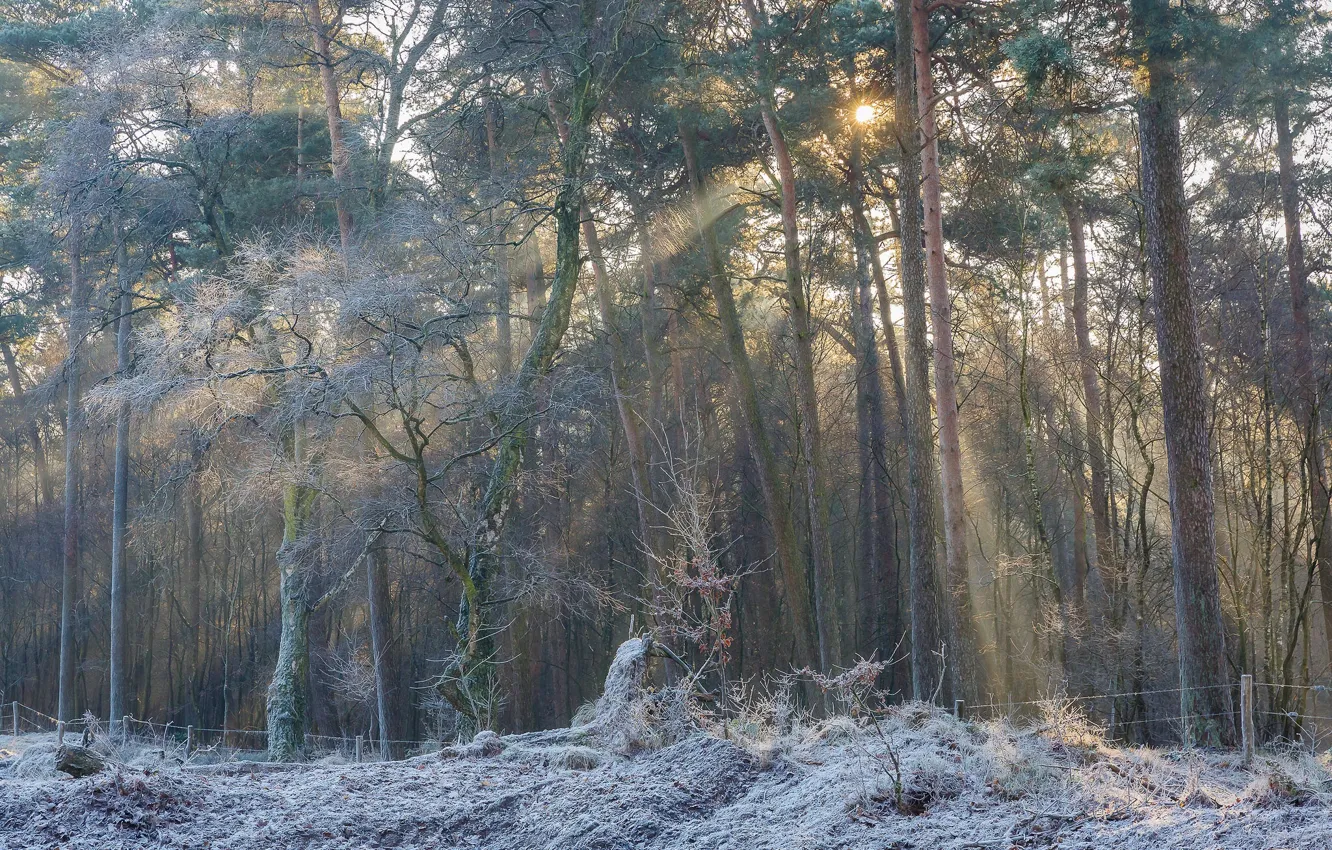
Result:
x=831 y=785
x=640 y=775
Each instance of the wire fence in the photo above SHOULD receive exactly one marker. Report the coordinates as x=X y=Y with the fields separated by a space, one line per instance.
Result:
x=1281 y=713
x=200 y=744
x=1278 y=713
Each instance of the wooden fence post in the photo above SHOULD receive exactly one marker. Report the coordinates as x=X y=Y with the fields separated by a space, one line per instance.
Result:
x=189 y=741
x=1246 y=717
x=957 y=708
x=14 y=706
x=124 y=729
x=358 y=749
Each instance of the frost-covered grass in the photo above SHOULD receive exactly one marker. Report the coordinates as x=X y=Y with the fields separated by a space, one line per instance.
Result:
x=643 y=771
x=913 y=776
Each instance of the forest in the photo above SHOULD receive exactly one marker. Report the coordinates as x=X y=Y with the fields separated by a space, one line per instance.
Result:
x=379 y=367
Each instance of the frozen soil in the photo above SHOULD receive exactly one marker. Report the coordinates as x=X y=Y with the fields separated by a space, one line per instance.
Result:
x=915 y=778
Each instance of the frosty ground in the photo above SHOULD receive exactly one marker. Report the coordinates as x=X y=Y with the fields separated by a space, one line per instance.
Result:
x=915 y=778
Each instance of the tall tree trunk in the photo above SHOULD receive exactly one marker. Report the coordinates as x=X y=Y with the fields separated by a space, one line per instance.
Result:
x=926 y=634
x=879 y=576
x=77 y=331
x=469 y=683
x=194 y=556
x=629 y=419
x=1205 y=696
x=828 y=606
x=1077 y=442
x=503 y=290
x=287 y=704
x=1315 y=457
x=341 y=156
x=790 y=565
x=886 y=319
x=962 y=631
x=120 y=495
x=381 y=646
x=1091 y=395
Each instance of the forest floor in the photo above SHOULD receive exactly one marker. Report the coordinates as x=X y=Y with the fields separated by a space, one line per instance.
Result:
x=915 y=779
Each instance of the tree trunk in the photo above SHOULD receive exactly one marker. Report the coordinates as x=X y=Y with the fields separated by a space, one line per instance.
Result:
x=120 y=497
x=962 y=631
x=789 y=562
x=828 y=607
x=1091 y=395
x=287 y=704
x=885 y=318
x=503 y=291
x=878 y=591
x=1077 y=443
x=1205 y=696
x=629 y=419
x=381 y=646
x=341 y=156
x=469 y=681
x=78 y=329
x=194 y=556
x=926 y=634
x=1305 y=375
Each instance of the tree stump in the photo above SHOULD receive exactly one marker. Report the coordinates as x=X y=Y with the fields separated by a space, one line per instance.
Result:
x=78 y=761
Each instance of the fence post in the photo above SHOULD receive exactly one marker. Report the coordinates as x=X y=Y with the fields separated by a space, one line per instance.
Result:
x=60 y=733
x=124 y=729
x=358 y=749
x=14 y=706
x=957 y=708
x=189 y=740
x=1246 y=717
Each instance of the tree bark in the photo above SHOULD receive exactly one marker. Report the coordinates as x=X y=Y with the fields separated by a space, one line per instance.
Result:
x=1306 y=377
x=926 y=634
x=1077 y=440
x=503 y=290
x=962 y=632
x=120 y=495
x=381 y=645
x=790 y=565
x=194 y=557
x=1091 y=395
x=341 y=156
x=287 y=704
x=1205 y=696
x=77 y=331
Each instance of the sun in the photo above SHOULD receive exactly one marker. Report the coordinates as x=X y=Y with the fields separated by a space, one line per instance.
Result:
x=865 y=113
